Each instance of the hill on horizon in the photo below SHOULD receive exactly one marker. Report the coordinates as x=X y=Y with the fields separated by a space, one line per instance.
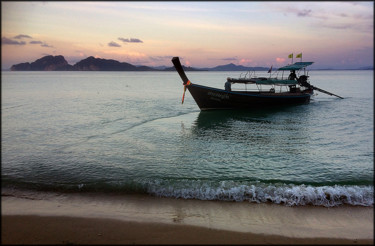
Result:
x=58 y=63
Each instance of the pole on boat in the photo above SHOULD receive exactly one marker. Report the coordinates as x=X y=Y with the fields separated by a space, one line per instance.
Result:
x=291 y=56
x=326 y=92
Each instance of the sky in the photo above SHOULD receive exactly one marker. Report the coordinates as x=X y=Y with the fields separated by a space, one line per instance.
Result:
x=338 y=35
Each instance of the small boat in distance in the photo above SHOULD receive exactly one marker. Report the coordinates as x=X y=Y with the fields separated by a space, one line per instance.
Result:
x=279 y=92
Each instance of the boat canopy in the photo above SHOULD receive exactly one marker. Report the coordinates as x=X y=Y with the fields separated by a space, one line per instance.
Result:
x=263 y=81
x=296 y=66
x=278 y=82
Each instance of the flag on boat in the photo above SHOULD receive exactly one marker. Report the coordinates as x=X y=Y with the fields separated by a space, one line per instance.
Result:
x=299 y=55
x=290 y=56
x=270 y=70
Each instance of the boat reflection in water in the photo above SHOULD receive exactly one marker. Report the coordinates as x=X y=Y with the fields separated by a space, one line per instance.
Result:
x=260 y=131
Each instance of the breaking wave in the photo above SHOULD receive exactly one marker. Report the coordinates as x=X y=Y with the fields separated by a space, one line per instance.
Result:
x=285 y=194
x=213 y=190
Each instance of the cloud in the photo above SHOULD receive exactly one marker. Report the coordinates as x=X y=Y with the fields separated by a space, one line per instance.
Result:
x=135 y=40
x=131 y=40
x=8 y=41
x=298 y=12
x=42 y=44
x=304 y=13
x=229 y=59
x=245 y=61
x=336 y=25
x=46 y=45
x=123 y=39
x=331 y=15
x=160 y=58
x=187 y=63
x=22 y=36
x=35 y=42
x=113 y=44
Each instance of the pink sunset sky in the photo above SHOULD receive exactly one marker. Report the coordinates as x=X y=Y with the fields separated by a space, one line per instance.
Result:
x=204 y=34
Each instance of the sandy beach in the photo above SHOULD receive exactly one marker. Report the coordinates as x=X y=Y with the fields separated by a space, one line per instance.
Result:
x=55 y=218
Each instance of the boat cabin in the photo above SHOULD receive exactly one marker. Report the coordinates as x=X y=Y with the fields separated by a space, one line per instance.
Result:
x=276 y=82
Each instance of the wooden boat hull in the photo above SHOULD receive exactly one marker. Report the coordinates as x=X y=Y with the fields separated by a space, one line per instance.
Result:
x=212 y=98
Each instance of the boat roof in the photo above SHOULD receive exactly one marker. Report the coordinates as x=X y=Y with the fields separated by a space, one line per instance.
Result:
x=296 y=66
x=263 y=81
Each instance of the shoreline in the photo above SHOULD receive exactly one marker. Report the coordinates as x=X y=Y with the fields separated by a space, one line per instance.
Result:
x=60 y=218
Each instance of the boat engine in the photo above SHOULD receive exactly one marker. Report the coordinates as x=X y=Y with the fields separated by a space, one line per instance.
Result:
x=302 y=80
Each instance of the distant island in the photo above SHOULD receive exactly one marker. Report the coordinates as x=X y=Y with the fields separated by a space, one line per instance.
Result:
x=58 y=63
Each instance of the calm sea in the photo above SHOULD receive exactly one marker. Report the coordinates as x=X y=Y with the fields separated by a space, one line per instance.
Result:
x=127 y=132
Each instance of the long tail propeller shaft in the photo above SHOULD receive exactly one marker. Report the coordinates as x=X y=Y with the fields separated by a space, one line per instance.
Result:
x=326 y=92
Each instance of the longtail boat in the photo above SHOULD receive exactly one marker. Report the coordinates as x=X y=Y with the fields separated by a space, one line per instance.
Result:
x=280 y=91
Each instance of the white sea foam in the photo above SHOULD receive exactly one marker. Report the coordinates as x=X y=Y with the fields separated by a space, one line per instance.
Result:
x=287 y=194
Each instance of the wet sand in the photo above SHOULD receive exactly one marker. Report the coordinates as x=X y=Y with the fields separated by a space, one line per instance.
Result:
x=27 y=229
x=39 y=218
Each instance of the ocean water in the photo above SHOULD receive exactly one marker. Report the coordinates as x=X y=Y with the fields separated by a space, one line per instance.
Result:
x=127 y=132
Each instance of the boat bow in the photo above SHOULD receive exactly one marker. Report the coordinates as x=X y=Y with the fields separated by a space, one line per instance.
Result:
x=177 y=64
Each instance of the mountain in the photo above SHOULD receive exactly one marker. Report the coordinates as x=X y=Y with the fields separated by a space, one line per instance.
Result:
x=233 y=67
x=160 y=67
x=47 y=63
x=186 y=69
x=367 y=68
x=97 y=64
x=58 y=63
